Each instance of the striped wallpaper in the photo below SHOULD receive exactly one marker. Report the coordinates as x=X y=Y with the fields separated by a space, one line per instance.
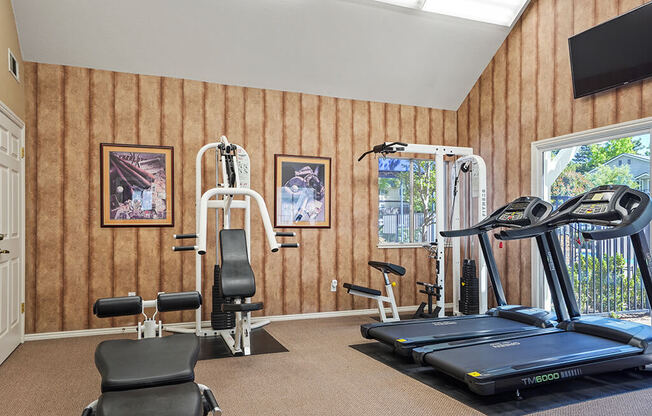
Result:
x=525 y=94
x=71 y=261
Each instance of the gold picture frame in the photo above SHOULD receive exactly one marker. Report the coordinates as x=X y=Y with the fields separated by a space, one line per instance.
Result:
x=302 y=191
x=137 y=185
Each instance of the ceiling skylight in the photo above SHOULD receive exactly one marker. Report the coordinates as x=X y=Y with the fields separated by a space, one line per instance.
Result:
x=498 y=12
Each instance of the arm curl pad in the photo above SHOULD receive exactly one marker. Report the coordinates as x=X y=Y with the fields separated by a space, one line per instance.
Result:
x=121 y=306
x=179 y=301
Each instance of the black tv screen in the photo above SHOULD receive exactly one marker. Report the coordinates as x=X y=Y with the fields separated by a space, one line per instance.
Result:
x=613 y=53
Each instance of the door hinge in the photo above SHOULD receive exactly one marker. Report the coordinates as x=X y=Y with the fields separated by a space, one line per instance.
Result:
x=22 y=307
x=22 y=153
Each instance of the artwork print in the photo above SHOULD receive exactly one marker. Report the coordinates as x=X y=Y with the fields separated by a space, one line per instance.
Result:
x=137 y=185
x=302 y=191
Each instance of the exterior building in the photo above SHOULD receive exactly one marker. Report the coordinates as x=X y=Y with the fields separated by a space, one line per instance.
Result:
x=639 y=167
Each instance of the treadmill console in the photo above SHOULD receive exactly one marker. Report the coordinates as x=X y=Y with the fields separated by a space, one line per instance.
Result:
x=624 y=211
x=522 y=211
x=514 y=212
x=594 y=203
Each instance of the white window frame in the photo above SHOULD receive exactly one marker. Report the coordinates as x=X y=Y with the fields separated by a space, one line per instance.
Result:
x=412 y=244
x=540 y=293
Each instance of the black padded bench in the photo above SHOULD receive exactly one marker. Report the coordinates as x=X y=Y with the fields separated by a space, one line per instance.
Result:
x=174 y=400
x=154 y=375
x=367 y=292
x=126 y=364
x=388 y=268
x=362 y=289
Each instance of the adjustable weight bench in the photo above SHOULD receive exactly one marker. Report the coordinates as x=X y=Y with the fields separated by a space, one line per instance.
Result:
x=152 y=376
x=367 y=292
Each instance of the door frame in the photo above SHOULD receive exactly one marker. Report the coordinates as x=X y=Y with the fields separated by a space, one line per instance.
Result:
x=21 y=124
x=540 y=293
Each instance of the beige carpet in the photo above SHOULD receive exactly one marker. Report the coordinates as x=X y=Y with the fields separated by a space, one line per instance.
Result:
x=320 y=375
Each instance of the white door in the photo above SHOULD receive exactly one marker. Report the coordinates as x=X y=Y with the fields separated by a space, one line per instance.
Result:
x=11 y=235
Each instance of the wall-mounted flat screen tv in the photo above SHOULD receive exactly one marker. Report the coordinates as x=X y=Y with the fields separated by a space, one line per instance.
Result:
x=613 y=53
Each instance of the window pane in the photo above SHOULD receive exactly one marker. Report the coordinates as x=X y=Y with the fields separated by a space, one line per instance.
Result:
x=604 y=273
x=393 y=200
x=424 y=200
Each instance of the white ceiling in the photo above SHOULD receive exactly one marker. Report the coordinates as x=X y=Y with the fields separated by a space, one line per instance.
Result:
x=359 y=49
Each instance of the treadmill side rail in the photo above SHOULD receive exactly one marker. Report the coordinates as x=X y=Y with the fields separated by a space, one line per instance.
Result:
x=486 y=386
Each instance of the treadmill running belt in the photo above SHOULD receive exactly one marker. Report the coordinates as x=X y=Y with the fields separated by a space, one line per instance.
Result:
x=543 y=398
x=448 y=329
x=510 y=357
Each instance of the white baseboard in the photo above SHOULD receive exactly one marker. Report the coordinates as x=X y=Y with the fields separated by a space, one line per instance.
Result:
x=276 y=318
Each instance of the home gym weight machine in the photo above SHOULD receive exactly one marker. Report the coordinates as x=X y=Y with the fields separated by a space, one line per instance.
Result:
x=474 y=191
x=234 y=277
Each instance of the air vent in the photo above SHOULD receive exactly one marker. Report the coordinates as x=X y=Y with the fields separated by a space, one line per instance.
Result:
x=13 y=66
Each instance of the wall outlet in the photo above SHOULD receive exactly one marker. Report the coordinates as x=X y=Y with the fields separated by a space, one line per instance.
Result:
x=333 y=285
x=131 y=294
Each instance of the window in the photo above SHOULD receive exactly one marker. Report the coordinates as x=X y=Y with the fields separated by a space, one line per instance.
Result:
x=499 y=12
x=406 y=201
x=605 y=274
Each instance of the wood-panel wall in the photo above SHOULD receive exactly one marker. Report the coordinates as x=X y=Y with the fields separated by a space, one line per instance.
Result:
x=525 y=94
x=71 y=260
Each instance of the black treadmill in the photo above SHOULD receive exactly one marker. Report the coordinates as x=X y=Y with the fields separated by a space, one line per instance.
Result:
x=403 y=336
x=582 y=345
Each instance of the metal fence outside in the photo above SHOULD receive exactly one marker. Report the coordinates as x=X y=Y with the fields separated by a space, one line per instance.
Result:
x=605 y=274
x=396 y=228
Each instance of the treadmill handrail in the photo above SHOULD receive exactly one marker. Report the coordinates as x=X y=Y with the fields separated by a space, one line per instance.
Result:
x=540 y=227
x=493 y=221
x=483 y=226
x=641 y=214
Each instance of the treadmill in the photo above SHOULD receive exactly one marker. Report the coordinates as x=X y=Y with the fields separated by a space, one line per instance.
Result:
x=404 y=336
x=582 y=345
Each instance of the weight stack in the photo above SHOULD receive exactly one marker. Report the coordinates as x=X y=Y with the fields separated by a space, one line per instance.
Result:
x=470 y=289
x=220 y=320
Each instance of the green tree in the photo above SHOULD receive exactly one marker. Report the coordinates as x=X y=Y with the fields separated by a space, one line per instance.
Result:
x=424 y=193
x=607 y=175
x=570 y=182
x=591 y=156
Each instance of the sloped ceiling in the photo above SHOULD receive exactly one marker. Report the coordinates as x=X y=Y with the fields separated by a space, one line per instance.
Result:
x=358 y=49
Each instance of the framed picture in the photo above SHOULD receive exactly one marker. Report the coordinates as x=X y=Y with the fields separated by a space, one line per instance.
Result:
x=302 y=191
x=137 y=185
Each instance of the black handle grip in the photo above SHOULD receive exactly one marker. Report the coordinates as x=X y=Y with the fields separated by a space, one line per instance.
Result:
x=461 y=233
x=285 y=234
x=521 y=233
x=212 y=402
x=183 y=248
x=290 y=245
x=383 y=148
x=181 y=236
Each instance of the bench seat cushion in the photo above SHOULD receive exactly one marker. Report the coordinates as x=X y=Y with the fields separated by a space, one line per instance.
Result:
x=362 y=289
x=126 y=364
x=177 y=400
